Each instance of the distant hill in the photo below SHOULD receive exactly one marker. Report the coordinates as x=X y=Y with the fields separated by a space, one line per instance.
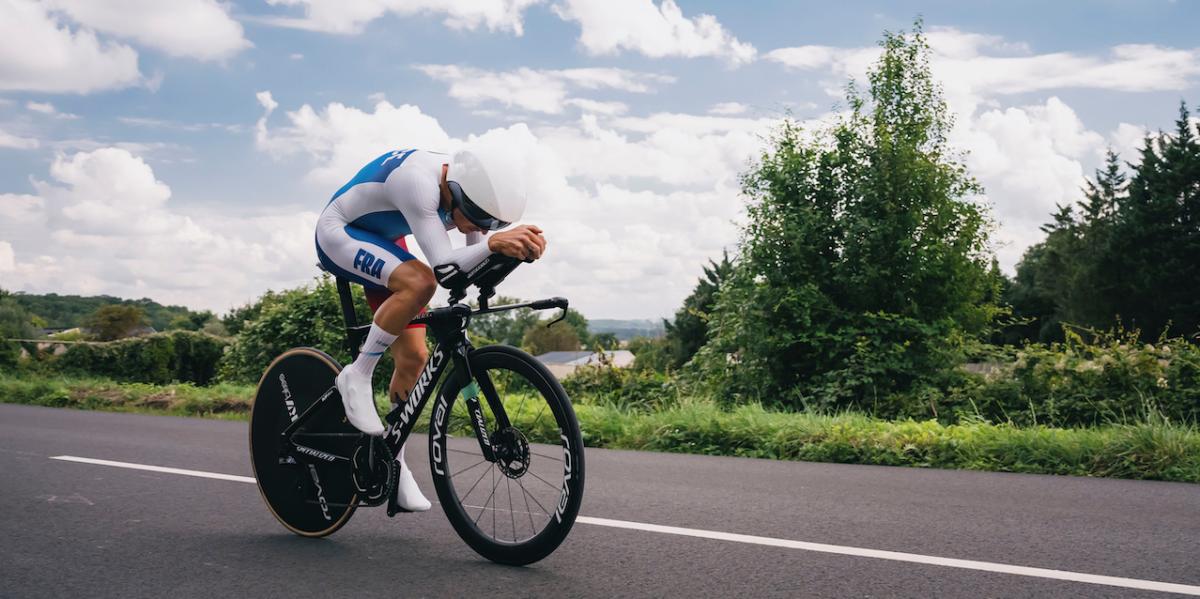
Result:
x=68 y=311
x=627 y=329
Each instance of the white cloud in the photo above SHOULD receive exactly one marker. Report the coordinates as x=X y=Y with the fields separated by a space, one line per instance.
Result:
x=537 y=90
x=609 y=26
x=42 y=107
x=339 y=139
x=1127 y=140
x=596 y=107
x=974 y=67
x=20 y=209
x=38 y=53
x=113 y=230
x=200 y=29
x=667 y=150
x=16 y=142
x=48 y=109
x=7 y=257
x=1029 y=159
x=153 y=123
x=350 y=16
x=728 y=108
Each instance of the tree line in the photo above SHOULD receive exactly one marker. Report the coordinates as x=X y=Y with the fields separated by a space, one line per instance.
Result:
x=1128 y=254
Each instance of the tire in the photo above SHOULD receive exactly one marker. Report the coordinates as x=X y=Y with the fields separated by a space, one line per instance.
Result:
x=316 y=500
x=550 y=488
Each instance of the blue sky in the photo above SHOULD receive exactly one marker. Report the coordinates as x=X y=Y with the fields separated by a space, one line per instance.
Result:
x=181 y=151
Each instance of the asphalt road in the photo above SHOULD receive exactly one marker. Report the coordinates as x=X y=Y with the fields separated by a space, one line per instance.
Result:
x=75 y=529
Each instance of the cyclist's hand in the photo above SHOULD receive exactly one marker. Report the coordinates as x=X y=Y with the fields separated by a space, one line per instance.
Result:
x=524 y=242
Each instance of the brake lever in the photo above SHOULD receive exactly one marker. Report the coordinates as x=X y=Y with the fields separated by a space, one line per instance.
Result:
x=561 y=317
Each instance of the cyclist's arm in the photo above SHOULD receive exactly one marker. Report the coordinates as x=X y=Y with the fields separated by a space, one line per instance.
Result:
x=418 y=199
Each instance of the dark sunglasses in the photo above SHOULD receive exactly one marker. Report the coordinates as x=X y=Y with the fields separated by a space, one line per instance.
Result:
x=473 y=212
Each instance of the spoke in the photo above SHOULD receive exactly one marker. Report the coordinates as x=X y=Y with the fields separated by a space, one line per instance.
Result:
x=524 y=396
x=494 y=509
x=543 y=480
x=511 y=515
x=463 y=450
x=489 y=500
x=467 y=468
x=545 y=456
x=533 y=427
x=530 y=496
x=464 y=497
x=532 y=526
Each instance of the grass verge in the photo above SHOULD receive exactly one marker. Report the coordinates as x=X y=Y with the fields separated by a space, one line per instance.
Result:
x=1149 y=450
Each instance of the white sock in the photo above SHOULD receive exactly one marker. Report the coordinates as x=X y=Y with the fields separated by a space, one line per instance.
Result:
x=377 y=343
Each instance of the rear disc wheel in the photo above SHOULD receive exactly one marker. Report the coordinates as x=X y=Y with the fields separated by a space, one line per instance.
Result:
x=310 y=499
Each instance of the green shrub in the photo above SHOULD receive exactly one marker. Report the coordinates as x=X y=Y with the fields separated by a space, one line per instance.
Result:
x=176 y=356
x=622 y=388
x=1112 y=378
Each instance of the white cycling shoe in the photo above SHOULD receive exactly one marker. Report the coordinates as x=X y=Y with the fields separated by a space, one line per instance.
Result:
x=359 y=402
x=408 y=494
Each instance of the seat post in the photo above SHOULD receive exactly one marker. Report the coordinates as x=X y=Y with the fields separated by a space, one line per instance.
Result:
x=347 y=300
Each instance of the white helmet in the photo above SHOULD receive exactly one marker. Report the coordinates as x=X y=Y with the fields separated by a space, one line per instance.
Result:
x=487 y=187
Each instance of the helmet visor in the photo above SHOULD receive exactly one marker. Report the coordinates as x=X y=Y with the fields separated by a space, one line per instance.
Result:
x=474 y=213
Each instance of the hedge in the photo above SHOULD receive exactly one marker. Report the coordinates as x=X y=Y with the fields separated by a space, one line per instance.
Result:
x=161 y=358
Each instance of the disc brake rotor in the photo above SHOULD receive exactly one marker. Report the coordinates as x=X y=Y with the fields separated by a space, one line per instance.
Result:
x=512 y=451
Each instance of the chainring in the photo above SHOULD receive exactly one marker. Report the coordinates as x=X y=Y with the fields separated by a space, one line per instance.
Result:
x=375 y=471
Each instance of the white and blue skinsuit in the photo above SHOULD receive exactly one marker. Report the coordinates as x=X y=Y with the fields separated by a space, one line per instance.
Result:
x=394 y=195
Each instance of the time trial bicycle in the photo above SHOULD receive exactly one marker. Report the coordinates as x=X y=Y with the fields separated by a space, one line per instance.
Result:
x=505 y=449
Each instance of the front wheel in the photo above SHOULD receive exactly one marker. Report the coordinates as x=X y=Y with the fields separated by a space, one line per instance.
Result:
x=509 y=475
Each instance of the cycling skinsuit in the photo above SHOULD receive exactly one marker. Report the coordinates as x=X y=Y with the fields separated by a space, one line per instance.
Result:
x=360 y=234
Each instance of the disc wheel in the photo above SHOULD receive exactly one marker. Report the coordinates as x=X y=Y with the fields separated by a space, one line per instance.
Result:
x=517 y=507
x=310 y=499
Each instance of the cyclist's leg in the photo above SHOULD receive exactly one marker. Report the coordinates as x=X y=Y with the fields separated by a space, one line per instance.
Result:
x=409 y=355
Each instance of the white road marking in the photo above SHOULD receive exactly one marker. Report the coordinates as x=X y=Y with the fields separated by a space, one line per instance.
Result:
x=199 y=473
x=896 y=556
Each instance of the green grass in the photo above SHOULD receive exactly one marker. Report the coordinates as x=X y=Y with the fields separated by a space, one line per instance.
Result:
x=1157 y=450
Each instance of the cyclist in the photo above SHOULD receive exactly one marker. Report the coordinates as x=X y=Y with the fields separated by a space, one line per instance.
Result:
x=360 y=236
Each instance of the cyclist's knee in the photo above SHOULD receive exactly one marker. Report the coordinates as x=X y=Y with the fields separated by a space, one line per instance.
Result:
x=415 y=277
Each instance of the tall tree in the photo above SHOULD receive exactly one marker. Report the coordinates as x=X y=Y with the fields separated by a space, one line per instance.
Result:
x=1133 y=251
x=863 y=257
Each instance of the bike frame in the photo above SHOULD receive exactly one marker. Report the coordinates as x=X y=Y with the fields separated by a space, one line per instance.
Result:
x=449 y=328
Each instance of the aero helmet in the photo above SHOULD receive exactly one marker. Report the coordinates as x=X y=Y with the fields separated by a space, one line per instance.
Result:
x=486 y=186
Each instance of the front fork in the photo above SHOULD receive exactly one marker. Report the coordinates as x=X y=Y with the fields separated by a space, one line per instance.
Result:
x=477 y=383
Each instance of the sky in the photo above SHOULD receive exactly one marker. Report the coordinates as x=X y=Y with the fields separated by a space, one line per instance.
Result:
x=182 y=150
